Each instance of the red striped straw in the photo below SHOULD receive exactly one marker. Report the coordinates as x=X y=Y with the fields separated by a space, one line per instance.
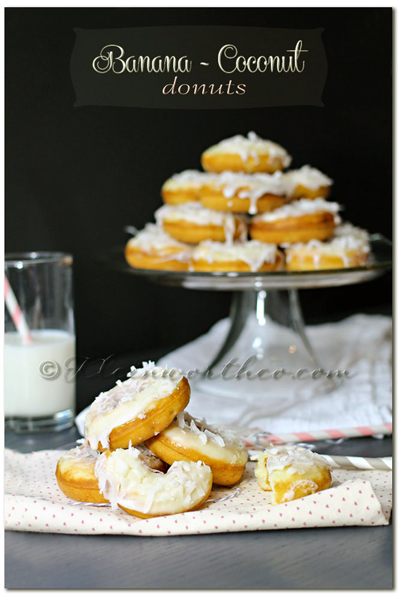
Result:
x=16 y=313
x=264 y=438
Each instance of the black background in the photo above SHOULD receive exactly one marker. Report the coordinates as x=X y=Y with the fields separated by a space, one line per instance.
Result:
x=76 y=176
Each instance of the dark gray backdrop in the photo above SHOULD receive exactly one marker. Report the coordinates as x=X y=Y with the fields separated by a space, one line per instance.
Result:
x=76 y=176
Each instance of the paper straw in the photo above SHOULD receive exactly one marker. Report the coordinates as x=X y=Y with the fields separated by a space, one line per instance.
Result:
x=359 y=462
x=349 y=462
x=16 y=313
x=263 y=438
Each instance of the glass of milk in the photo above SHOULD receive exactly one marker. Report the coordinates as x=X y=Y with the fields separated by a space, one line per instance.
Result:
x=39 y=377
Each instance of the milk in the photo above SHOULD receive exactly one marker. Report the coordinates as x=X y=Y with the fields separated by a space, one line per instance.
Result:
x=37 y=381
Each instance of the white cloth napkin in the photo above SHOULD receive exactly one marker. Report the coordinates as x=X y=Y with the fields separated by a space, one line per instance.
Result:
x=361 y=344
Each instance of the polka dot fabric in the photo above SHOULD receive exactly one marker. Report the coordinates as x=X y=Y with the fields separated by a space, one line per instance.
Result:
x=33 y=502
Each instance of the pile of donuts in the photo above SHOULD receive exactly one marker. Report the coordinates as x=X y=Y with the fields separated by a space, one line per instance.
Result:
x=246 y=192
x=143 y=453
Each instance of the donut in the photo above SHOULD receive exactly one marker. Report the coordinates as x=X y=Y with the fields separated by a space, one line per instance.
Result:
x=192 y=223
x=184 y=187
x=153 y=248
x=291 y=472
x=129 y=483
x=299 y=221
x=306 y=182
x=136 y=409
x=348 y=247
x=240 y=192
x=191 y=439
x=240 y=256
x=250 y=154
x=75 y=473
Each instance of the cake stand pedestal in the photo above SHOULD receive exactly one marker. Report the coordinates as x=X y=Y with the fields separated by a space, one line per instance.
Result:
x=266 y=352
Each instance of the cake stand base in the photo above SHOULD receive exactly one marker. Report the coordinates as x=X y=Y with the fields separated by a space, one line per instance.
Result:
x=267 y=354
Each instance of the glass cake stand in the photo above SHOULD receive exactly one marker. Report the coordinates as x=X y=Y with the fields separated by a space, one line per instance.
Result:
x=265 y=351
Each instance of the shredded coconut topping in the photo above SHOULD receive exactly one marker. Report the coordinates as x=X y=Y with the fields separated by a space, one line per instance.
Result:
x=83 y=453
x=307 y=177
x=250 y=146
x=126 y=479
x=127 y=400
x=346 y=238
x=153 y=239
x=295 y=458
x=188 y=179
x=194 y=212
x=253 y=253
x=300 y=208
x=208 y=433
x=252 y=187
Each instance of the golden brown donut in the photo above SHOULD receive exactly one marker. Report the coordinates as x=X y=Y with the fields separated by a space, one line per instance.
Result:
x=249 y=256
x=192 y=223
x=348 y=247
x=300 y=221
x=191 y=439
x=306 y=183
x=75 y=473
x=291 y=472
x=241 y=205
x=184 y=187
x=250 y=154
x=136 y=409
x=128 y=482
x=153 y=248
x=240 y=192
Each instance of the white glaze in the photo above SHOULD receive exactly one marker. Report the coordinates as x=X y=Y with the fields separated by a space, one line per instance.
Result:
x=253 y=253
x=189 y=179
x=126 y=401
x=214 y=441
x=307 y=176
x=346 y=238
x=294 y=459
x=83 y=453
x=125 y=479
x=154 y=240
x=250 y=146
x=254 y=186
x=194 y=212
x=300 y=208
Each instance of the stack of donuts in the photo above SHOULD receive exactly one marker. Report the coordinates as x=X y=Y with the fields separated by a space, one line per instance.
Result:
x=144 y=453
x=246 y=212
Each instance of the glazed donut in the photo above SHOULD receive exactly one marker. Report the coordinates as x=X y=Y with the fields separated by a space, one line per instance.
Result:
x=192 y=223
x=75 y=475
x=136 y=409
x=250 y=154
x=306 y=183
x=153 y=248
x=185 y=187
x=241 y=256
x=299 y=221
x=75 y=472
x=291 y=472
x=349 y=247
x=128 y=482
x=239 y=192
x=191 y=439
